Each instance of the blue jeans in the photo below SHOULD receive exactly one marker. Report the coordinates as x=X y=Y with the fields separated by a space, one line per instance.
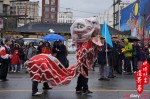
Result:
x=15 y=67
x=110 y=73
x=103 y=69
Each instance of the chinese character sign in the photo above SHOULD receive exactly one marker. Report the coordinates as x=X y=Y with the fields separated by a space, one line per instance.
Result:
x=142 y=77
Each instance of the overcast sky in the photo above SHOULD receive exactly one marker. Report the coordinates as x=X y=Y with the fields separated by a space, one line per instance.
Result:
x=84 y=8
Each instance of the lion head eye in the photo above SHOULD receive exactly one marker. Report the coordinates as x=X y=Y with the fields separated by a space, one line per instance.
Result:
x=80 y=26
x=94 y=23
x=89 y=27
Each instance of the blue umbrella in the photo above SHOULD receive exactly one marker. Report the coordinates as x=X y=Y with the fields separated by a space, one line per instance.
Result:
x=53 y=37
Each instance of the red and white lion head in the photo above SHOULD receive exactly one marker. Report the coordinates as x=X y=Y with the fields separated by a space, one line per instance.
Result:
x=85 y=29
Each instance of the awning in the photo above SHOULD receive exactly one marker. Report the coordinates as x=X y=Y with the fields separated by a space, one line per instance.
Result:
x=44 y=27
x=57 y=27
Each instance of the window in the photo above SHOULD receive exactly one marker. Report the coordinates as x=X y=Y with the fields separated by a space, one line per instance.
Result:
x=52 y=16
x=46 y=1
x=46 y=16
x=52 y=2
x=46 y=9
x=52 y=9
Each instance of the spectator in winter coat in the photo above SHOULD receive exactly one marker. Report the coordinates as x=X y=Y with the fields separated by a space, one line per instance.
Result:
x=142 y=57
x=62 y=53
x=15 y=61
x=31 y=51
x=128 y=56
x=47 y=48
x=54 y=49
x=103 y=64
x=136 y=52
x=39 y=48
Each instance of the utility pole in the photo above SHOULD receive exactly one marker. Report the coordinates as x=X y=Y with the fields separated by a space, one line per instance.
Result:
x=116 y=14
x=25 y=20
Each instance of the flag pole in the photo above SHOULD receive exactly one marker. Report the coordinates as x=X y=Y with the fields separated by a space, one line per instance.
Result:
x=106 y=55
x=106 y=47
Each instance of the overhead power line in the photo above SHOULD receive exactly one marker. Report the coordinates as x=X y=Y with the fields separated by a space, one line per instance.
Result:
x=76 y=16
x=80 y=11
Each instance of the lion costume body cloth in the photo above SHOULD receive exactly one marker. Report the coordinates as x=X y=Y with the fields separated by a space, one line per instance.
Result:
x=47 y=68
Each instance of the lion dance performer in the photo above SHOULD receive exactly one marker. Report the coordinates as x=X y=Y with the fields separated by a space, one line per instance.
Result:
x=46 y=68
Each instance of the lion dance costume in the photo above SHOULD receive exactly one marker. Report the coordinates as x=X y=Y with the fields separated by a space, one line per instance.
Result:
x=47 y=68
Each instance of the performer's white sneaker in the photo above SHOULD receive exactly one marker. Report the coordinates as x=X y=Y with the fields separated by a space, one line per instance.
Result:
x=37 y=94
x=87 y=92
x=78 y=91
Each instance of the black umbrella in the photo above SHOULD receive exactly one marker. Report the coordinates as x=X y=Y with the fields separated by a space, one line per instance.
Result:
x=133 y=39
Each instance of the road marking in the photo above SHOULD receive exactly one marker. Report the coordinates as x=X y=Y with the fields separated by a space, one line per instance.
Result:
x=14 y=91
x=94 y=90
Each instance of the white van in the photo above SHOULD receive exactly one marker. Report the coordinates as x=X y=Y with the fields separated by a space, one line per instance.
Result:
x=34 y=40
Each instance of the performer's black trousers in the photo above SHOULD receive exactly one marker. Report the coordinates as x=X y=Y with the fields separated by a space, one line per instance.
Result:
x=4 y=69
x=82 y=82
x=35 y=86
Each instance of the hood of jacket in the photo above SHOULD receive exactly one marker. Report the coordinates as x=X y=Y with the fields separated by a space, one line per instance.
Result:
x=126 y=41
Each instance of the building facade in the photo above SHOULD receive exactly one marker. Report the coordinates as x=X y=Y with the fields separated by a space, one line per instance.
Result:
x=49 y=11
x=26 y=10
x=112 y=15
x=65 y=17
x=8 y=19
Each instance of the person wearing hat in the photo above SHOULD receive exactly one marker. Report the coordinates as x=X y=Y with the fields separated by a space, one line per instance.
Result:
x=5 y=55
x=102 y=62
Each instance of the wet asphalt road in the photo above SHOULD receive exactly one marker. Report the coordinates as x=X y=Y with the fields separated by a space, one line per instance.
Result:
x=121 y=87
